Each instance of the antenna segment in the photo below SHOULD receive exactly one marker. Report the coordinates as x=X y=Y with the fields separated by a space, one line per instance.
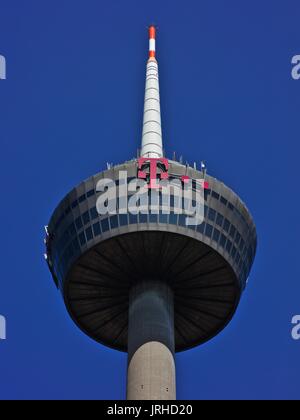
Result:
x=152 y=146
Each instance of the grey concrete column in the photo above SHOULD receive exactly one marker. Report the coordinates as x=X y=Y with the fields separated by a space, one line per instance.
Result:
x=151 y=365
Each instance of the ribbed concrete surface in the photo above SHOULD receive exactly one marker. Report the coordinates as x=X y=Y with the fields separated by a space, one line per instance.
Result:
x=152 y=135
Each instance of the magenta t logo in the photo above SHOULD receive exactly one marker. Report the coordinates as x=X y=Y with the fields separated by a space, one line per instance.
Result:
x=153 y=163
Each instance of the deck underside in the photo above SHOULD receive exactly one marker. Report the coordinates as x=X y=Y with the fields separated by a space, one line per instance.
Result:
x=206 y=288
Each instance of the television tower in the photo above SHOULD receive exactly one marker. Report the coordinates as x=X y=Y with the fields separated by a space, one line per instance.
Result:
x=148 y=283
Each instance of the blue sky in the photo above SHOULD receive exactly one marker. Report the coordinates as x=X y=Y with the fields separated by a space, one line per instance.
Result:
x=73 y=100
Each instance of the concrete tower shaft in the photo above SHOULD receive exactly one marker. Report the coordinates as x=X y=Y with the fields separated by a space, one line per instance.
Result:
x=151 y=343
x=152 y=146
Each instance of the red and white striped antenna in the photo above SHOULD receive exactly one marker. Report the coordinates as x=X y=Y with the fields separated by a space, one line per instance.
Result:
x=152 y=145
x=152 y=41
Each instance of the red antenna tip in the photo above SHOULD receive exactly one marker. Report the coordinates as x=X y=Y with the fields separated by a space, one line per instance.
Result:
x=152 y=32
x=152 y=35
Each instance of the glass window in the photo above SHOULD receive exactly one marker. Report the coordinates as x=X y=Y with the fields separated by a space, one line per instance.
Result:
x=114 y=222
x=226 y=225
x=143 y=218
x=182 y=219
x=243 y=218
x=72 y=229
x=205 y=210
x=94 y=214
x=81 y=198
x=208 y=230
x=228 y=246
x=201 y=228
x=242 y=245
x=223 y=240
x=123 y=219
x=223 y=200
x=206 y=194
x=173 y=218
x=68 y=210
x=216 y=235
x=237 y=258
x=104 y=225
x=74 y=204
x=163 y=218
x=90 y=193
x=82 y=239
x=211 y=214
x=237 y=238
x=215 y=195
x=233 y=252
x=230 y=206
x=97 y=229
x=133 y=219
x=249 y=254
x=78 y=223
x=219 y=220
x=89 y=234
x=232 y=231
x=153 y=218
x=86 y=218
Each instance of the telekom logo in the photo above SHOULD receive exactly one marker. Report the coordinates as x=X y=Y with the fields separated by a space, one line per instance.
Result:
x=153 y=163
x=163 y=164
